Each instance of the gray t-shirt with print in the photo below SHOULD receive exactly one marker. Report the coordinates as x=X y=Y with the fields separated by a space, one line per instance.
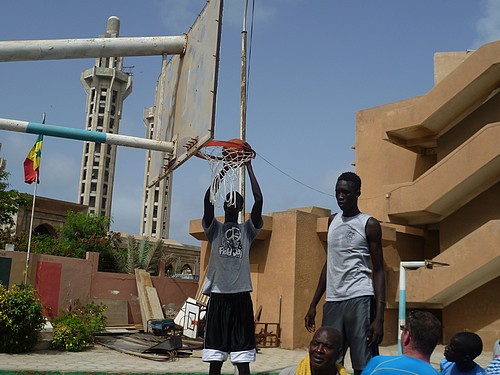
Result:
x=229 y=264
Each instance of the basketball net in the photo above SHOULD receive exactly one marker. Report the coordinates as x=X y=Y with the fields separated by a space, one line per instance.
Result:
x=225 y=159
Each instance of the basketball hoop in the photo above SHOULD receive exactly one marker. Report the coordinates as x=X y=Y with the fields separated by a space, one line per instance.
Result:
x=225 y=158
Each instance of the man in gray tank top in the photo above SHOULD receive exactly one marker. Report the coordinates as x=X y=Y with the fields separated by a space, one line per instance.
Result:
x=352 y=277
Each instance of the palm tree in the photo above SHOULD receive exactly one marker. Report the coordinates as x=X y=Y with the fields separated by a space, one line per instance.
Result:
x=142 y=255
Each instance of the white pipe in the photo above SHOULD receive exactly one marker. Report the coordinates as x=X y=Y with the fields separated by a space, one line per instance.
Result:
x=55 y=49
x=402 y=294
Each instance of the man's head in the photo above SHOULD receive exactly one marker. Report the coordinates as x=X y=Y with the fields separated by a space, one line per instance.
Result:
x=421 y=333
x=324 y=348
x=347 y=191
x=463 y=347
x=233 y=202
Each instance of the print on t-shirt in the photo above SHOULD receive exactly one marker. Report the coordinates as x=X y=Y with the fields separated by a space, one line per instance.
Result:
x=231 y=244
x=350 y=235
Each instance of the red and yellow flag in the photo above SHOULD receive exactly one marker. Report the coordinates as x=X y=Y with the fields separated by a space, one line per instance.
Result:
x=32 y=162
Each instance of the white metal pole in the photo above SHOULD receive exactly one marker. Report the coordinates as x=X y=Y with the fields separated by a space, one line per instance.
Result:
x=402 y=295
x=32 y=216
x=30 y=234
x=243 y=103
x=56 y=49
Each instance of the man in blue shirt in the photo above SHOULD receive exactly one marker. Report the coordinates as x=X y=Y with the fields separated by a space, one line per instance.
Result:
x=419 y=338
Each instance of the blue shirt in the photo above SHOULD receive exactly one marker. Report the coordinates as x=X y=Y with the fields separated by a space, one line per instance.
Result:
x=450 y=368
x=401 y=364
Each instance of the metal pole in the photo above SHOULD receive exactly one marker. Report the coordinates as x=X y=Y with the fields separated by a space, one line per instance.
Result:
x=32 y=216
x=85 y=135
x=243 y=103
x=30 y=234
x=55 y=49
x=402 y=294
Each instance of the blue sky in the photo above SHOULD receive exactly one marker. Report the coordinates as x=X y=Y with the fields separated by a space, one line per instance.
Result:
x=313 y=65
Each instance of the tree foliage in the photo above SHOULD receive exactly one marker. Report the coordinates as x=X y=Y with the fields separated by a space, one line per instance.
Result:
x=10 y=200
x=79 y=234
x=141 y=254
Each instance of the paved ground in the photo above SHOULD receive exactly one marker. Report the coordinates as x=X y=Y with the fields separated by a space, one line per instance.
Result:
x=99 y=360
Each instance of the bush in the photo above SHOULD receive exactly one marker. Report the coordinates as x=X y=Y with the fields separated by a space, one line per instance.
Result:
x=21 y=318
x=74 y=329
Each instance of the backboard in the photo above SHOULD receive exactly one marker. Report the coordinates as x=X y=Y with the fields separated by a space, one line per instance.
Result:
x=186 y=94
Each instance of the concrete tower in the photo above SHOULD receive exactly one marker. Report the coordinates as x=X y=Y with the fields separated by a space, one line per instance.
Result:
x=3 y=162
x=156 y=199
x=107 y=86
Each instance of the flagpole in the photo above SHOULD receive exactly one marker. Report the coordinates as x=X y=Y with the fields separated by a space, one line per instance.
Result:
x=30 y=233
x=31 y=221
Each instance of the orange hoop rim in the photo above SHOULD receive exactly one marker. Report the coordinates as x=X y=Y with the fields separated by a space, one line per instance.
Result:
x=224 y=144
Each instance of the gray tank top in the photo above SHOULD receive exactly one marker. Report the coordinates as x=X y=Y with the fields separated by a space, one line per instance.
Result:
x=348 y=259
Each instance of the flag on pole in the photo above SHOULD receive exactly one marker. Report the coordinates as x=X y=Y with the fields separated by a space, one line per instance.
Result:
x=32 y=162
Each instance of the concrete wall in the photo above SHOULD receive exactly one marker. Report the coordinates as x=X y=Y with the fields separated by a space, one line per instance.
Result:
x=61 y=280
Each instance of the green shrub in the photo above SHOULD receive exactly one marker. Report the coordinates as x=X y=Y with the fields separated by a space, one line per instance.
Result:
x=21 y=318
x=70 y=334
x=74 y=329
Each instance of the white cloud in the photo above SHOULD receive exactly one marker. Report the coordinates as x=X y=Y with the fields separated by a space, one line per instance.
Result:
x=488 y=27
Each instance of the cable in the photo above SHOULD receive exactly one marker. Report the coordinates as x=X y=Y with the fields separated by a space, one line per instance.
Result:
x=293 y=178
x=248 y=85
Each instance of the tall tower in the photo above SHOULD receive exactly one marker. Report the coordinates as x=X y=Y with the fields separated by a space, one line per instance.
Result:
x=3 y=163
x=156 y=199
x=107 y=86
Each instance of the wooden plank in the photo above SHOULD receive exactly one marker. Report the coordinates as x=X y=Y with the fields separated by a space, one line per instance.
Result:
x=146 y=283
x=148 y=298
x=154 y=303
x=141 y=293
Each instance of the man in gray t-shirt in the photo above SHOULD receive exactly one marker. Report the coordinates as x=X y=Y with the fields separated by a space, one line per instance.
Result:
x=229 y=327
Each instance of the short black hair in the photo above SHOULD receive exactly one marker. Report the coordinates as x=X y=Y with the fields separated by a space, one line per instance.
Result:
x=471 y=343
x=351 y=177
x=425 y=330
x=233 y=198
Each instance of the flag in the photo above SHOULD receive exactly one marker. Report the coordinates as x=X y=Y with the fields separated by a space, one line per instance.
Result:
x=32 y=162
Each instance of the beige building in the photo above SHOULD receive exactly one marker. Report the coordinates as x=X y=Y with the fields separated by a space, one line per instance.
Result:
x=156 y=198
x=49 y=215
x=430 y=169
x=107 y=86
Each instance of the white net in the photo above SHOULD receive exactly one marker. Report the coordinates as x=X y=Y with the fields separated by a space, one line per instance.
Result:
x=225 y=162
